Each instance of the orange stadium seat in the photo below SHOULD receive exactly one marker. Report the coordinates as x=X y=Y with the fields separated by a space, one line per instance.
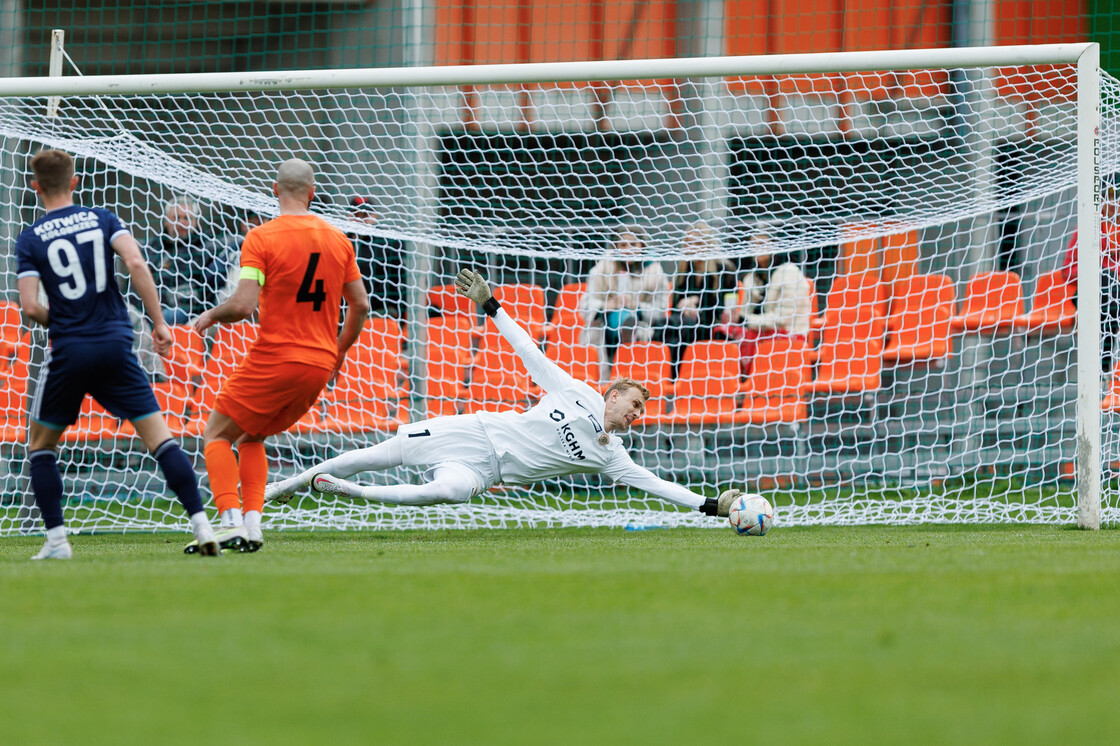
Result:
x=452 y=337
x=378 y=349
x=174 y=403
x=11 y=328
x=184 y=372
x=448 y=302
x=706 y=388
x=449 y=355
x=772 y=391
x=369 y=386
x=647 y=363
x=93 y=424
x=993 y=301
x=581 y=362
x=498 y=379
x=858 y=290
x=566 y=323
x=919 y=323
x=446 y=391
x=13 y=392
x=355 y=404
x=13 y=376
x=188 y=354
x=847 y=366
x=231 y=344
x=851 y=337
x=1052 y=309
x=856 y=308
x=525 y=303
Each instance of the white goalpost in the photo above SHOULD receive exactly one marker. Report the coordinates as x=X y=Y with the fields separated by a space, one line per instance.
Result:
x=941 y=365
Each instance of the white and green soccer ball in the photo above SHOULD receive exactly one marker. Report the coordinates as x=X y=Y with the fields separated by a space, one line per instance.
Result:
x=751 y=515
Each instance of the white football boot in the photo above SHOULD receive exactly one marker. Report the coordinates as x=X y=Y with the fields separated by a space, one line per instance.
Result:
x=211 y=543
x=283 y=491
x=254 y=539
x=332 y=485
x=232 y=537
x=55 y=550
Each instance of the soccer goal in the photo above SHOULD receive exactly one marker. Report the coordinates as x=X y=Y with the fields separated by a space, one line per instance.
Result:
x=846 y=278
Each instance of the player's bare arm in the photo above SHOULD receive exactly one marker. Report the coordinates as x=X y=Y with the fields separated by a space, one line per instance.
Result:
x=29 y=303
x=357 y=309
x=132 y=255
x=239 y=307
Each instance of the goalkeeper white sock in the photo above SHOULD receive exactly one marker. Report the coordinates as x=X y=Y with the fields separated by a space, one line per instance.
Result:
x=252 y=519
x=56 y=535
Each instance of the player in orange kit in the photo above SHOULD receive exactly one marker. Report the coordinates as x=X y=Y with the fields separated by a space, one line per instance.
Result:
x=300 y=268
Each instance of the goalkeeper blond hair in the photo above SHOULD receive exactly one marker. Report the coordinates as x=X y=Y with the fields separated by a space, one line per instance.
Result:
x=623 y=384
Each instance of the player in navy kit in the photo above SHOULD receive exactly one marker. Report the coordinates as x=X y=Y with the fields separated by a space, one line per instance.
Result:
x=70 y=252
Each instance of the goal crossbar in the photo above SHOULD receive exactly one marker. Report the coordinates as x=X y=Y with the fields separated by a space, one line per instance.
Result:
x=550 y=72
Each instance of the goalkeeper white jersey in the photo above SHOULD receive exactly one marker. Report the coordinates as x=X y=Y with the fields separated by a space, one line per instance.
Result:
x=564 y=433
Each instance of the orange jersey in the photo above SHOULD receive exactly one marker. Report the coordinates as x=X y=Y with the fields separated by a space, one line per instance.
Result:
x=302 y=262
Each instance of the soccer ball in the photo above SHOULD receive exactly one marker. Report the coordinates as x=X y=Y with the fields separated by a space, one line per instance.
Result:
x=751 y=515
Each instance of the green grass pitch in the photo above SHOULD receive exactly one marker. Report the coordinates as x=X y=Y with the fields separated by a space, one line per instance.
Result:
x=892 y=635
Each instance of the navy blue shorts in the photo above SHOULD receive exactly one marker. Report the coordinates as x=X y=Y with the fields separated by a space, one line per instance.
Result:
x=106 y=370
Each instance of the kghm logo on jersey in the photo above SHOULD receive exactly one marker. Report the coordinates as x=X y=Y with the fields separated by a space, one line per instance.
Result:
x=571 y=443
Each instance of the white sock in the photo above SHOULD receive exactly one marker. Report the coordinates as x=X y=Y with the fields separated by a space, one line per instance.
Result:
x=56 y=535
x=231 y=518
x=252 y=519
x=200 y=524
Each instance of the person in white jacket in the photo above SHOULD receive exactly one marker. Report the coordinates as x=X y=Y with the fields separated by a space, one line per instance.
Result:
x=625 y=300
x=776 y=300
x=570 y=431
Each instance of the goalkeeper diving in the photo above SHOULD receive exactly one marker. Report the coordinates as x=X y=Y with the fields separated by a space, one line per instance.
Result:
x=571 y=430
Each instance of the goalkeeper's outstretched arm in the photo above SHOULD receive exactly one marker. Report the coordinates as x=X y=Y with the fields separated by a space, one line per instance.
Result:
x=625 y=471
x=545 y=373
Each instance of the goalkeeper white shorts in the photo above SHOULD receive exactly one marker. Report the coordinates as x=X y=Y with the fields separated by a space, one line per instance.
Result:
x=458 y=442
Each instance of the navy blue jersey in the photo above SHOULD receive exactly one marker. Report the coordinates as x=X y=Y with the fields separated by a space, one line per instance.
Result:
x=68 y=250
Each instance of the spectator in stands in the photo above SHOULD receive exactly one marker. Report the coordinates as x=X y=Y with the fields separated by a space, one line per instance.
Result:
x=786 y=301
x=380 y=260
x=626 y=296
x=697 y=301
x=189 y=268
x=1110 y=271
x=752 y=287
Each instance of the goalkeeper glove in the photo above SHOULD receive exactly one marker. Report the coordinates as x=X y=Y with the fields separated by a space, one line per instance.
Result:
x=723 y=505
x=474 y=286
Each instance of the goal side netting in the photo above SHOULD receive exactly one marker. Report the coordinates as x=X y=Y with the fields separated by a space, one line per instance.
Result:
x=849 y=291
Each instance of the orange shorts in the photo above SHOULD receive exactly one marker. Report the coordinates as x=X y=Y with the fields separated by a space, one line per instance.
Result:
x=268 y=399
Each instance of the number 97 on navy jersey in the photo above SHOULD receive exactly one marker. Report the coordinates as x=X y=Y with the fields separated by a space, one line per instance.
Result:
x=70 y=251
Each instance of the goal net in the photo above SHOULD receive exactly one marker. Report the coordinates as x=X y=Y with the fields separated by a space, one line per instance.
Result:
x=848 y=289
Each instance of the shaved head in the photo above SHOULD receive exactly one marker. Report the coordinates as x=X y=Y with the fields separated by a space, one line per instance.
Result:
x=295 y=177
